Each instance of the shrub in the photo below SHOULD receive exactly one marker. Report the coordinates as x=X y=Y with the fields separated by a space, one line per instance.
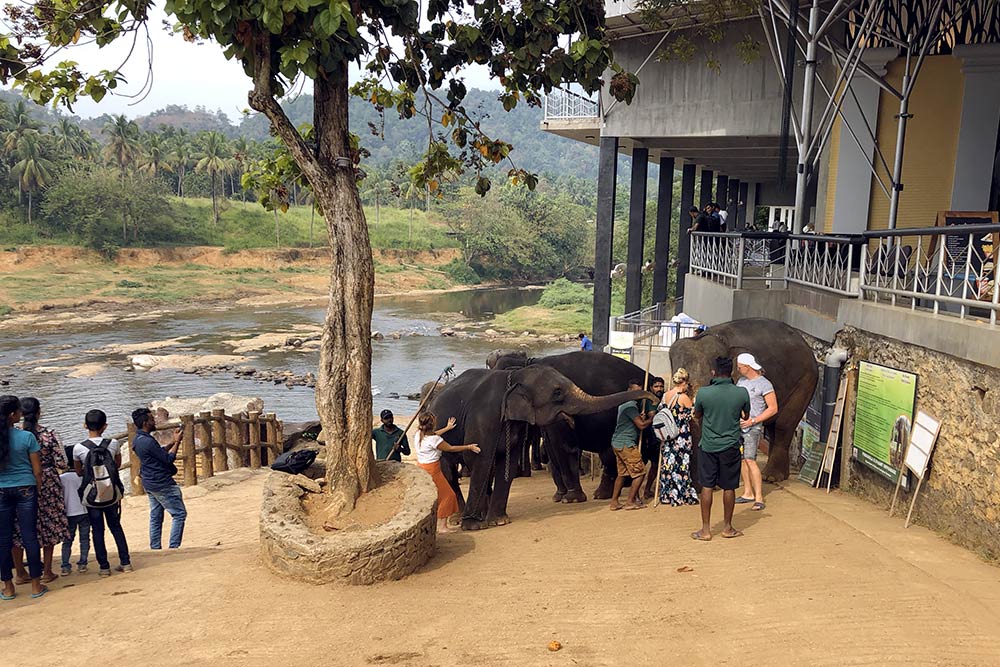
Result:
x=564 y=293
x=5 y=310
x=461 y=272
x=129 y=284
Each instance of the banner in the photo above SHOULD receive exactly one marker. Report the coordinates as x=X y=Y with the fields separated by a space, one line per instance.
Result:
x=620 y=344
x=883 y=416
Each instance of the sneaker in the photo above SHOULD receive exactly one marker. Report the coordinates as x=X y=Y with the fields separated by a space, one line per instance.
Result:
x=81 y=568
x=124 y=568
x=104 y=572
x=66 y=570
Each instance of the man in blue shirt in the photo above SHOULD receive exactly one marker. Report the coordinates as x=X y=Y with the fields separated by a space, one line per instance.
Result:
x=586 y=345
x=157 y=471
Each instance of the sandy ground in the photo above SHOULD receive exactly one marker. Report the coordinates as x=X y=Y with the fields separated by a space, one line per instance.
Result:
x=817 y=580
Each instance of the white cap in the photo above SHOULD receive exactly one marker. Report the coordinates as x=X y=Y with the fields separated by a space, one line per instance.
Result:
x=747 y=359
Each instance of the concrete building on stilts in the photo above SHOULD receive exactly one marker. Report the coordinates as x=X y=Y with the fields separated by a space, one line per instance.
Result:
x=854 y=144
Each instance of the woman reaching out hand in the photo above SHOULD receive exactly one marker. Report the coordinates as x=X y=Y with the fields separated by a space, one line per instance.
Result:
x=430 y=446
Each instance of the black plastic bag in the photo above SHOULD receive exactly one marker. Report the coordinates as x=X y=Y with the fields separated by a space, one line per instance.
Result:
x=294 y=462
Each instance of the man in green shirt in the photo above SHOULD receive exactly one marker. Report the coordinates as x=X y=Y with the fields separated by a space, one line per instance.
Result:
x=385 y=437
x=625 y=443
x=721 y=406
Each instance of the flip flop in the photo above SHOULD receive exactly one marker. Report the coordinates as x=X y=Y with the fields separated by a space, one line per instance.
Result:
x=635 y=507
x=35 y=596
x=733 y=535
x=740 y=500
x=696 y=535
x=757 y=507
x=616 y=507
x=4 y=596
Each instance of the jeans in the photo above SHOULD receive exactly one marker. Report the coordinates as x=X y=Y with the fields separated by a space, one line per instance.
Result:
x=113 y=516
x=169 y=499
x=20 y=504
x=80 y=522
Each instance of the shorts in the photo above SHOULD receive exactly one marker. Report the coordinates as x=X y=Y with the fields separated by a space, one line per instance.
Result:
x=720 y=469
x=629 y=460
x=750 y=441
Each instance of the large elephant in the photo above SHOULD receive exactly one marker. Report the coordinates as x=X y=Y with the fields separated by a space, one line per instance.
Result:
x=596 y=373
x=496 y=410
x=788 y=363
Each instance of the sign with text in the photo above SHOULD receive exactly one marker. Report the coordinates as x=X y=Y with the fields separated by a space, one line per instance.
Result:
x=620 y=344
x=883 y=416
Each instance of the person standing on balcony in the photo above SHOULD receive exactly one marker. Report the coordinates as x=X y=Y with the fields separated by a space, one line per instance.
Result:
x=701 y=222
x=716 y=221
x=586 y=345
x=763 y=406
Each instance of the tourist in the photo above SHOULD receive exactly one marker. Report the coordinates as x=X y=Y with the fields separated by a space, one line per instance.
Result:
x=430 y=446
x=715 y=218
x=625 y=442
x=52 y=527
x=675 y=458
x=763 y=406
x=157 y=470
x=20 y=470
x=77 y=518
x=96 y=422
x=586 y=345
x=386 y=438
x=649 y=444
x=721 y=406
x=700 y=220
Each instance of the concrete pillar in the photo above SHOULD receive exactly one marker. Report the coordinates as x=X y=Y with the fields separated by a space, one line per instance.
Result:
x=977 y=135
x=706 y=188
x=750 y=206
x=684 y=240
x=732 y=205
x=607 y=176
x=852 y=195
x=636 y=229
x=721 y=190
x=664 y=210
x=743 y=209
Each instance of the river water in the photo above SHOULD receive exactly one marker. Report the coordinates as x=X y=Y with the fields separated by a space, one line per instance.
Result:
x=399 y=366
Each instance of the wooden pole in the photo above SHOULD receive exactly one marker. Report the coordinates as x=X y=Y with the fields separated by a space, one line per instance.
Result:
x=271 y=439
x=420 y=407
x=645 y=387
x=219 y=452
x=913 y=503
x=187 y=448
x=134 y=463
x=279 y=436
x=205 y=427
x=255 y=440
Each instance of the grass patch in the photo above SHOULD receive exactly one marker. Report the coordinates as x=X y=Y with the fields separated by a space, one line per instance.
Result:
x=564 y=319
x=5 y=310
x=128 y=284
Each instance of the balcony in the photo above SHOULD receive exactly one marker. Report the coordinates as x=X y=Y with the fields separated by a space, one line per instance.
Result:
x=572 y=115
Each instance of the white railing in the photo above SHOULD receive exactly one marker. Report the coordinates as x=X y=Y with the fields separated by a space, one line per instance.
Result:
x=562 y=104
x=943 y=269
x=734 y=258
x=823 y=262
x=655 y=323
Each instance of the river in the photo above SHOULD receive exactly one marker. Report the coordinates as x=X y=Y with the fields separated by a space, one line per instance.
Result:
x=398 y=366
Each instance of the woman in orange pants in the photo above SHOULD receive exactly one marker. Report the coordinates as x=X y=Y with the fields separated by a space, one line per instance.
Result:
x=430 y=445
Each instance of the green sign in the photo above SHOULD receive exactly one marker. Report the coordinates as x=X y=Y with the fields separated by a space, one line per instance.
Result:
x=882 y=418
x=812 y=453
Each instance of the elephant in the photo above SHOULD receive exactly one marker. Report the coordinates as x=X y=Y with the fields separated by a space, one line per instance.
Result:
x=788 y=362
x=596 y=373
x=496 y=409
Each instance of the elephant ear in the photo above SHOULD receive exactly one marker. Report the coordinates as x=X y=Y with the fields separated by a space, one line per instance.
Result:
x=517 y=405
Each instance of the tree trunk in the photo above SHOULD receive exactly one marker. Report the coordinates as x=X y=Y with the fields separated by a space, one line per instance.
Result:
x=312 y=218
x=409 y=239
x=378 y=210
x=29 y=208
x=215 y=202
x=277 y=230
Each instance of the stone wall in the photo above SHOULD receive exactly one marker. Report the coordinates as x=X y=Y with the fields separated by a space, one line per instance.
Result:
x=960 y=497
x=389 y=551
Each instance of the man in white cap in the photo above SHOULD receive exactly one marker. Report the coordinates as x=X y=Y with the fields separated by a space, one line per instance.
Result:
x=763 y=406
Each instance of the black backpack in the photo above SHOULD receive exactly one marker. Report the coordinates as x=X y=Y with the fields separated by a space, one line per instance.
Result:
x=294 y=462
x=101 y=486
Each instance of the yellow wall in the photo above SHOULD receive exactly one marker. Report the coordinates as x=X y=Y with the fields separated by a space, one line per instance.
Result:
x=832 y=165
x=931 y=143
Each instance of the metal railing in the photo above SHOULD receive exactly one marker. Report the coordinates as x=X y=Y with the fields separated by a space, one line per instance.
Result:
x=562 y=104
x=654 y=325
x=948 y=270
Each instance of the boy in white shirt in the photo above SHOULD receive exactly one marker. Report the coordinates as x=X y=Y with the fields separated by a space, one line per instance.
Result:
x=79 y=520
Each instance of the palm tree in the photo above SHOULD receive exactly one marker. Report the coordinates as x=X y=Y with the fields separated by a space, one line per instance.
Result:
x=156 y=154
x=181 y=157
x=71 y=140
x=20 y=122
x=33 y=170
x=124 y=147
x=412 y=194
x=212 y=160
x=241 y=157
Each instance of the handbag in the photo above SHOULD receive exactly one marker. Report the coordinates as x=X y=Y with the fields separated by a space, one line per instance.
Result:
x=664 y=425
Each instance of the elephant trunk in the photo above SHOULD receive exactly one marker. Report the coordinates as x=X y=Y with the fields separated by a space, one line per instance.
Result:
x=582 y=403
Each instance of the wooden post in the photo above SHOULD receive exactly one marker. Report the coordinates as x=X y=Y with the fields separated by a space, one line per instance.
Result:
x=220 y=454
x=279 y=437
x=271 y=429
x=134 y=463
x=254 y=440
x=187 y=449
x=205 y=429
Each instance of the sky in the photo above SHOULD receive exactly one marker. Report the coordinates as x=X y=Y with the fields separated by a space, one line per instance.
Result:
x=183 y=73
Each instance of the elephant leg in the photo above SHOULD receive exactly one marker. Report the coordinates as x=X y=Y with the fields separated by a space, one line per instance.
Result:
x=777 y=466
x=523 y=460
x=449 y=467
x=564 y=461
x=608 y=474
x=536 y=452
x=474 y=516
x=497 y=515
x=555 y=469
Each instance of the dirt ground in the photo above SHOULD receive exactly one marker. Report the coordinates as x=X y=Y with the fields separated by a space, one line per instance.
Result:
x=817 y=580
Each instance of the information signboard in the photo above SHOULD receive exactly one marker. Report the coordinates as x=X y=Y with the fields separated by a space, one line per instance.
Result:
x=620 y=344
x=883 y=415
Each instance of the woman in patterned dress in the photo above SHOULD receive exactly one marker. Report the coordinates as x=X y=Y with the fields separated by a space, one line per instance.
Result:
x=675 y=461
x=53 y=527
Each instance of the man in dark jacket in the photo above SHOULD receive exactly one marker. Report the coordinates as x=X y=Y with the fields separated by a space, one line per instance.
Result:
x=385 y=437
x=157 y=472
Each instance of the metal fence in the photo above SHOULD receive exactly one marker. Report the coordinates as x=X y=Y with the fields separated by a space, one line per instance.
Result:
x=653 y=325
x=561 y=103
x=735 y=258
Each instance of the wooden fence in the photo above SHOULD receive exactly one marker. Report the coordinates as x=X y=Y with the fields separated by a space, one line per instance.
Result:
x=208 y=438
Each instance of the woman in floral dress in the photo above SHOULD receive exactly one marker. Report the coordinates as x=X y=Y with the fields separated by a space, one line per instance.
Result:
x=53 y=527
x=675 y=460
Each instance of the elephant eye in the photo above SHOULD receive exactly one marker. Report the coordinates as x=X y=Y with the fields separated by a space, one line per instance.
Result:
x=557 y=395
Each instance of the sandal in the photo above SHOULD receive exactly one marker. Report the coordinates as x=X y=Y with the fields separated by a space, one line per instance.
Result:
x=696 y=535
x=35 y=596
x=740 y=500
x=4 y=596
x=757 y=507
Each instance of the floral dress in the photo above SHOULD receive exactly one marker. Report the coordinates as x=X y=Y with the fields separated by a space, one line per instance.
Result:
x=675 y=463
x=53 y=527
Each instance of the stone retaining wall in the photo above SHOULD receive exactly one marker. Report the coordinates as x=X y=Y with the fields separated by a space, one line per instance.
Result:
x=388 y=551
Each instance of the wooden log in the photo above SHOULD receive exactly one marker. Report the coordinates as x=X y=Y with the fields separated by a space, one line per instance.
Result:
x=218 y=425
x=134 y=463
x=187 y=449
x=279 y=429
x=254 y=428
x=205 y=432
x=271 y=432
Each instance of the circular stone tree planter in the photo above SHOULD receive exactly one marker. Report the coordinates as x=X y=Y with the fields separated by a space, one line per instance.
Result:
x=390 y=550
